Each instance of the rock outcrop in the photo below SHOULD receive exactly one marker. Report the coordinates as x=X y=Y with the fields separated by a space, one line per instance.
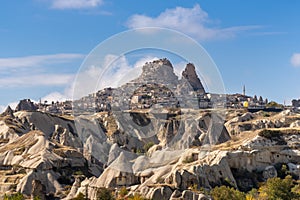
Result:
x=159 y=71
x=42 y=159
x=8 y=112
x=166 y=151
x=192 y=78
x=26 y=105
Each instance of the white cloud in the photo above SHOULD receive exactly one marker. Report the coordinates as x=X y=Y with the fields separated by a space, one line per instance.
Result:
x=55 y=96
x=90 y=79
x=117 y=71
x=37 y=60
x=178 y=68
x=75 y=4
x=13 y=105
x=142 y=61
x=121 y=72
x=192 y=21
x=2 y=108
x=36 y=80
x=295 y=60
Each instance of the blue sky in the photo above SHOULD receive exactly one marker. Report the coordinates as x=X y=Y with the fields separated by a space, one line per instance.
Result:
x=44 y=42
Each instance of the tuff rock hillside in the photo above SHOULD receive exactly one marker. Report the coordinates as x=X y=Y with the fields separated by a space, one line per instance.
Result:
x=159 y=152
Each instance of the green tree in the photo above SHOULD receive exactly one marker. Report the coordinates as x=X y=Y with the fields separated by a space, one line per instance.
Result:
x=226 y=193
x=278 y=189
x=252 y=195
x=17 y=196
x=274 y=104
x=36 y=198
x=296 y=190
x=123 y=192
x=104 y=194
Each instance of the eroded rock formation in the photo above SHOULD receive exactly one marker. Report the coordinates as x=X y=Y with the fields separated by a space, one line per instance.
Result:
x=191 y=76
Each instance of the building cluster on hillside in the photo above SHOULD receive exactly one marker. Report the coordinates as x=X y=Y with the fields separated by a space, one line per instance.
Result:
x=95 y=102
x=58 y=108
x=157 y=87
x=242 y=100
x=150 y=95
x=145 y=97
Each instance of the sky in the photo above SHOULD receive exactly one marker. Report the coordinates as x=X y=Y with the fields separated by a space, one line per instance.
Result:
x=43 y=43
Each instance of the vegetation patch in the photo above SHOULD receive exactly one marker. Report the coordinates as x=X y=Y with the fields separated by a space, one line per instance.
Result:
x=270 y=134
x=188 y=159
x=17 y=196
x=272 y=189
x=273 y=135
x=105 y=194
x=148 y=146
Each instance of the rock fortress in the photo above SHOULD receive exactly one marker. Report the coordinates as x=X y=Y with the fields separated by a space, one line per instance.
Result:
x=156 y=137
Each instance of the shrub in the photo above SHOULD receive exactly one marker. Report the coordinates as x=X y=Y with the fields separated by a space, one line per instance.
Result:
x=123 y=192
x=80 y=196
x=282 y=170
x=252 y=195
x=269 y=134
x=17 y=196
x=276 y=188
x=36 y=198
x=296 y=190
x=193 y=187
x=148 y=146
x=188 y=159
x=273 y=135
x=78 y=173
x=104 y=194
x=226 y=193
x=136 y=197
x=274 y=104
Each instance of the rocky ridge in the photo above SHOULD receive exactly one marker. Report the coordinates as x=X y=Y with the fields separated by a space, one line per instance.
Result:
x=191 y=76
x=160 y=153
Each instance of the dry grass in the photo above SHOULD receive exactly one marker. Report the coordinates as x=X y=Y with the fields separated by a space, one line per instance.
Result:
x=19 y=144
x=112 y=126
x=67 y=117
x=237 y=141
x=246 y=136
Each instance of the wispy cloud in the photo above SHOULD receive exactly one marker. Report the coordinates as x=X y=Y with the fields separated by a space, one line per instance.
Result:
x=295 y=60
x=36 y=80
x=38 y=60
x=13 y=105
x=75 y=4
x=2 y=108
x=117 y=71
x=192 y=21
x=96 y=12
x=267 y=33
x=55 y=96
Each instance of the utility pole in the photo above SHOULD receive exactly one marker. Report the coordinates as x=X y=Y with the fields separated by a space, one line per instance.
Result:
x=244 y=90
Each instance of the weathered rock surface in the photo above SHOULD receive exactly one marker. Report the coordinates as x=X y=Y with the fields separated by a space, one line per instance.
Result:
x=26 y=105
x=44 y=158
x=160 y=153
x=159 y=72
x=8 y=112
x=190 y=75
x=38 y=190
